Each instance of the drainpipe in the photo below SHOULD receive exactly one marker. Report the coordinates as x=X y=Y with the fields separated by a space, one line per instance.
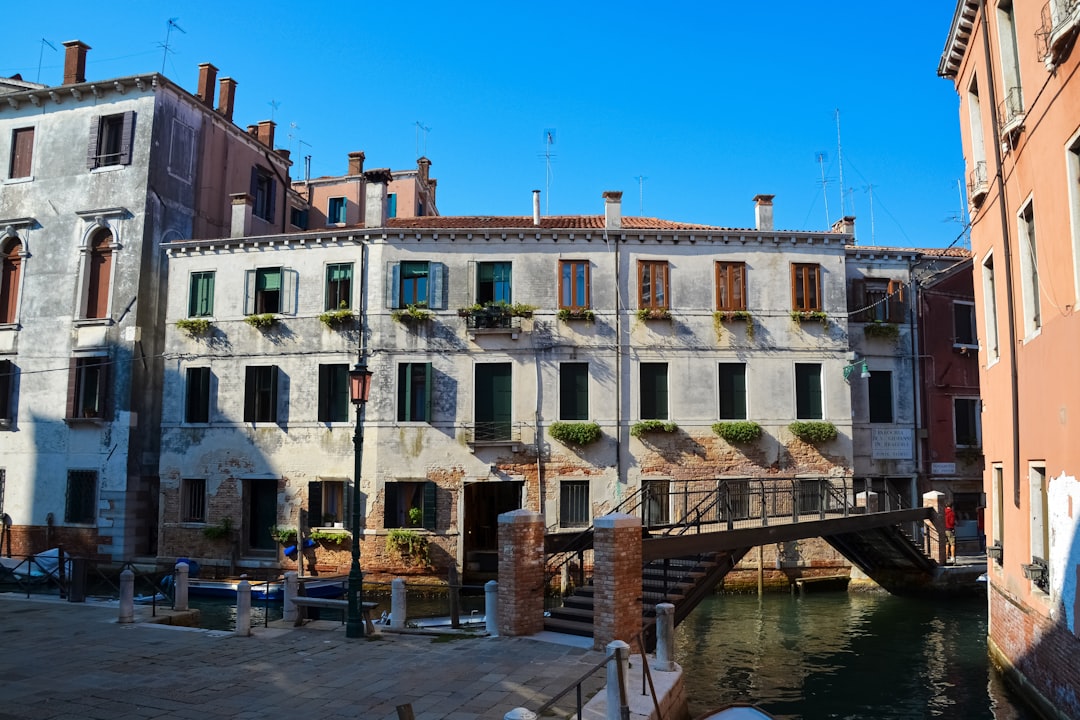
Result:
x=1006 y=247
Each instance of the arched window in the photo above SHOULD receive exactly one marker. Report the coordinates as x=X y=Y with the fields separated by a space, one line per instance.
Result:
x=99 y=270
x=9 y=280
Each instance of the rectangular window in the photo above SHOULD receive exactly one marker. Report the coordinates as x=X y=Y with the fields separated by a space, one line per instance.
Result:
x=298 y=217
x=997 y=497
x=265 y=291
x=654 y=391
x=652 y=284
x=808 y=391
x=201 y=294
x=880 y=391
x=732 y=389
x=990 y=308
x=573 y=285
x=263 y=193
x=879 y=300
x=1010 y=61
x=335 y=212
x=326 y=503
x=110 y=140
x=197 y=401
x=22 y=153
x=409 y=504
x=573 y=391
x=88 y=385
x=805 y=287
x=730 y=286
x=334 y=393
x=1029 y=270
x=966 y=422
x=493 y=282
x=391 y=205
x=657 y=502
x=416 y=283
x=80 y=506
x=964 y=333
x=414 y=392
x=260 y=393
x=494 y=401
x=978 y=144
x=1040 y=512
x=338 y=286
x=574 y=503
x=193 y=500
x=7 y=391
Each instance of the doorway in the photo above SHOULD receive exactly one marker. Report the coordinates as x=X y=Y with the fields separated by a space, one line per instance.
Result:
x=484 y=502
x=260 y=514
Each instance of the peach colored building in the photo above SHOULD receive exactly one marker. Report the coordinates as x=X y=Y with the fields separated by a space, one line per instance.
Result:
x=1014 y=64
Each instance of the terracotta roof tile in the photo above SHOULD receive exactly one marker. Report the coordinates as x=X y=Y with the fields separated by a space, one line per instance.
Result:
x=525 y=222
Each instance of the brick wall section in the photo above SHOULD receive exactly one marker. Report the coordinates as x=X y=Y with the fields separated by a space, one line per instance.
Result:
x=616 y=579
x=935 y=530
x=1043 y=652
x=25 y=540
x=521 y=573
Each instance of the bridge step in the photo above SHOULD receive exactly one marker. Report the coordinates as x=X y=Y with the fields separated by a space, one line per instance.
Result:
x=572 y=613
x=569 y=627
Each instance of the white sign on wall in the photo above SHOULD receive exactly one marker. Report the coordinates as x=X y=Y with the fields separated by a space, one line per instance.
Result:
x=892 y=444
x=942 y=468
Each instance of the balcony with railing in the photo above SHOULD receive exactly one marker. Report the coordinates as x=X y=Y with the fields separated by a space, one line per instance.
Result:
x=1058 y=25
x=1011 y=111
x=495 y=433
x=978 y=183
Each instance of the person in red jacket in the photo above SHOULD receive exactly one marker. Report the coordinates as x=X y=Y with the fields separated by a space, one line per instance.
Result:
x=950 y=534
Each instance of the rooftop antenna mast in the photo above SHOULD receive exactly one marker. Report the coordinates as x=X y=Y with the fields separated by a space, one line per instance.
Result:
x=821 y=158
x=165 y=46
x=549 y=140
x=641 y=194
x=421 y=130
x=870 y=191
x=274 y=105
x=41 y=52
x=840 y=160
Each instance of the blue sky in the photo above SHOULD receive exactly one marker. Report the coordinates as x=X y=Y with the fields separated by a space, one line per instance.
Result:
x=712 y=103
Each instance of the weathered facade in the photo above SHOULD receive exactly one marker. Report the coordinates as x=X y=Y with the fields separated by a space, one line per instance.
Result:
x=1014 y=66
x=96 y=175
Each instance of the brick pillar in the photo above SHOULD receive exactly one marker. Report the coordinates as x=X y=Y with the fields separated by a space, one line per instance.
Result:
x=935 y=526
x=616 y=579
x=521 y=573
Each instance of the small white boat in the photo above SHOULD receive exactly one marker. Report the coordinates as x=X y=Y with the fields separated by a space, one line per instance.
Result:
x=736 y=711
x=35 y=568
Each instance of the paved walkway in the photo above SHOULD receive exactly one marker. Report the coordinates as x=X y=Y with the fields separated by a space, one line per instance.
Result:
x=64 y=660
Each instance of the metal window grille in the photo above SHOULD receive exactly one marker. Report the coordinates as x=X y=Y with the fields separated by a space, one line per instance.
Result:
x=81 y=496
x=194 y=500
x=574 y=504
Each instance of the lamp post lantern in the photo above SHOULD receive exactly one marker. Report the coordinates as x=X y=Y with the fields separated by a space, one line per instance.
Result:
x=359 y=390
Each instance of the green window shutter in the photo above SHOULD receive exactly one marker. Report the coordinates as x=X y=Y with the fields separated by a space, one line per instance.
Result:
x=390 y=505
x=427 y=392
x=732 y=391
x=574 y=391
x=325 y=384
x=273 y=373
x=808 y=391
x=430 y=495
x=654 y=391
x=314 y=504
x=251 y=377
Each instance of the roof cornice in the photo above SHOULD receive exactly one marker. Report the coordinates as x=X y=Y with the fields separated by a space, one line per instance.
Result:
x=956 y=45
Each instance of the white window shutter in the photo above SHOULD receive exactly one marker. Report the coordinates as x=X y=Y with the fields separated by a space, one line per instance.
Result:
x=393 y=284
x=290 y=281
x=249 y=292
x=437 y=279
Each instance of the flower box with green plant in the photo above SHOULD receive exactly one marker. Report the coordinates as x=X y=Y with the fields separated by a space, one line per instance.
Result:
x=644 y=314
x=282 y=534
x=814 y=432
x=337 y=318
x=722 y=317
x=797 y=316
x=330 y=536
x=566 y=314
x=412 y=314
x=194 y=326
x=221 y=531
x=643 y=427
x=262 y=321
x=409 y=545
x=575 y=433
x=738 y=431
x=495 y=314
x=883 y=330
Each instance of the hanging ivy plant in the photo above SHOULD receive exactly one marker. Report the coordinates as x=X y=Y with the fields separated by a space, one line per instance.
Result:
x=814 y=432
x=265 y=321
x=575 y=433
x=738 y=431
x=643 y=427
x=194 y=326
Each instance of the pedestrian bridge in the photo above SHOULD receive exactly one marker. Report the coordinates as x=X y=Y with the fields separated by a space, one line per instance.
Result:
x=691 y=538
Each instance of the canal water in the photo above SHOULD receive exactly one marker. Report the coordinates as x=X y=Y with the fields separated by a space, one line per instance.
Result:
x=835 y=655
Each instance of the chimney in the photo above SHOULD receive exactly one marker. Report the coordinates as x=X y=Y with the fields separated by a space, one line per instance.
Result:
x=226 y=97
x=845 y=225
x=375 y=197
x=536 y=208
x=241 y=215
x=423 y=168
x=266 y=133
x=356 y=163
x=207 y=78
x=75 y=61
x=763 y=212
x=613 y=210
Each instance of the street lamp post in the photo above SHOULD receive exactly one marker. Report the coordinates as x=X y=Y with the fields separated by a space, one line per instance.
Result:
x=359 y=390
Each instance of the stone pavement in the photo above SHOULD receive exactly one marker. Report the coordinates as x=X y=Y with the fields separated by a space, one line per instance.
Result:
x=66 y=660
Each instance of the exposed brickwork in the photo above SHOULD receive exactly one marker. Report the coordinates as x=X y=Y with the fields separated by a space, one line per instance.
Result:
x=24 y=540
x=685 y=456
x=616 y=579
x=521 y=573
x=1042 y=651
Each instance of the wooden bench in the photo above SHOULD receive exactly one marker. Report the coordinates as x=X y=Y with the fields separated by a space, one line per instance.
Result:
x=334 y=604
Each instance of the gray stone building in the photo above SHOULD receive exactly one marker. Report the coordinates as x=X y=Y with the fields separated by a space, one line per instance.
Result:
x=96 y=175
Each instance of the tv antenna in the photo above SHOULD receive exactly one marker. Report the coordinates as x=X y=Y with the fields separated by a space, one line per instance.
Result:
x=870 y=192
x=840 y=160
x=422 y=130
x=641 y=194
x=549 y=140
x=294 y=133
x=41 y=52
x=165 y=45
x=821 y=158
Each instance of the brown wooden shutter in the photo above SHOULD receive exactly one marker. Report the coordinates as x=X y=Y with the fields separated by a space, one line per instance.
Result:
x=7 y=371
x=856 y=300
x=106 y=401
x=73 y=385
x=22 y=153
x=92 y=146
x=127 y=137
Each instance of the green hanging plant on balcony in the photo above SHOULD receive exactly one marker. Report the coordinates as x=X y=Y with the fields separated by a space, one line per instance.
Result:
x=575 y=433
x=643 y=427
x=814 y=432
x=738 y=431
x=194 y=326
x=337 y=318
x=883 y=330
x=566 y=314
x=798 y=316
x=263 y=321
x=412 y=314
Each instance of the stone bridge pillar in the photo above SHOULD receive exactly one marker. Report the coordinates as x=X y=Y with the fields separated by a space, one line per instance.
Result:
x=521 y=573
x=617 y=579
x=934 y=527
